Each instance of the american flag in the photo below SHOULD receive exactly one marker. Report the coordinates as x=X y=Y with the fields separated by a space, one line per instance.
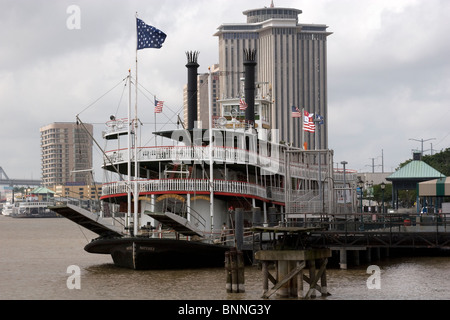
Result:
x=158 y=106
x=242 y=104
x=308 y=122
x=296 y=113
x=148 y=36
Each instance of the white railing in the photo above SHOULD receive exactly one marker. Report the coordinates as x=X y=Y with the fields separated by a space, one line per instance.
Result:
x=301 y=201
x=35 y=204
x=197 y=154
x=186 y=185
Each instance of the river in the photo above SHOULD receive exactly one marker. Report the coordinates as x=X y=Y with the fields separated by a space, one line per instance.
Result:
x=36 y=256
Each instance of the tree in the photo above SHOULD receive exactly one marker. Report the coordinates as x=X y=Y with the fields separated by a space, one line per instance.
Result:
x=439 y=161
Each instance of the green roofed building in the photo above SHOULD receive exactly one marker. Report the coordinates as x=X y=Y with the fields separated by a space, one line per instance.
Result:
x=408 y=177
x=43 y=193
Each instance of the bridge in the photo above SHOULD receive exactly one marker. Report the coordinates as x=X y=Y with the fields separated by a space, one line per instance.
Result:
x=5 y=180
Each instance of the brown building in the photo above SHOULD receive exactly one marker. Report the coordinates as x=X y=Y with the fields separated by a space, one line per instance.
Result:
x=66 y=153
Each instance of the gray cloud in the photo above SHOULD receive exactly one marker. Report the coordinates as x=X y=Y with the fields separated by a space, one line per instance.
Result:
x=388 y=74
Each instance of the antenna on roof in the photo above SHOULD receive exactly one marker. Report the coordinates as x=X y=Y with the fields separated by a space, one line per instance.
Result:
x=271 y=4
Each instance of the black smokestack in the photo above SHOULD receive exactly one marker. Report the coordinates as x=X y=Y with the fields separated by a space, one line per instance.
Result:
x=192 y=67
x=249 y=85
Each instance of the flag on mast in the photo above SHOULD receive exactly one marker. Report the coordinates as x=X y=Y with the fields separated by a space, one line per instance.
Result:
x=158 y=106
x=308 y=122
x=148 y=36
x=296 y=113
x=320 y=118
x=242 y=104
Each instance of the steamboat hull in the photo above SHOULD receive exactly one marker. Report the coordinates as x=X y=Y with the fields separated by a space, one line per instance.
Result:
x=152 y=254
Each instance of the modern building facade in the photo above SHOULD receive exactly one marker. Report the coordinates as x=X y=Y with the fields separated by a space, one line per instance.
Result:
x=65 y=149
x=291 y=68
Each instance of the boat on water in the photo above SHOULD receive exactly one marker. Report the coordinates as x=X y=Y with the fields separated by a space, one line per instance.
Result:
x=33 y=209
x=7 y=208
x=185 y=202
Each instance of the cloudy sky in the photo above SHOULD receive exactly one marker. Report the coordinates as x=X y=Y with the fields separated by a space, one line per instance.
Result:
x=388 y=70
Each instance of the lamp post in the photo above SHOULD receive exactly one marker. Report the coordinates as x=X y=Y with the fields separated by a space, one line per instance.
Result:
x=345 y=186
x=345 y=200
x=383 y=186
x=361 y=185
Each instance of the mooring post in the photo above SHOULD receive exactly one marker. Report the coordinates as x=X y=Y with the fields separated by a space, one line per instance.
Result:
x=356 y=257
x=265 y=276
x=343 y=258
x=323 y=279
x=369 y=255
x=239 y=227
x=291 y=284
x=235 y=271
x=228 y=271
x=299 y=281
x=240 y=271
x=312 y=276
x=282 y=272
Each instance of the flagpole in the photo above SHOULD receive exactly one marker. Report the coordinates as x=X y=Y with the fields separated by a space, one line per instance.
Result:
x=303 y=129
x=154 y=110
x=145 y=37
x=136 y=194
x=129 y=152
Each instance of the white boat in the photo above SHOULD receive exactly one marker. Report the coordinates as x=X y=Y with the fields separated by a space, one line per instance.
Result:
x=174 y=200
x=33 y=209
x=7 y=208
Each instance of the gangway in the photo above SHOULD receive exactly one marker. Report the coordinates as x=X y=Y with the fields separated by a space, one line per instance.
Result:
x=88 y=220
x=176 y=222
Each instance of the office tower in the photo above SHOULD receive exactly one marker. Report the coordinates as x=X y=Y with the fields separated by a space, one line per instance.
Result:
x=291 y=67
x=65 y=149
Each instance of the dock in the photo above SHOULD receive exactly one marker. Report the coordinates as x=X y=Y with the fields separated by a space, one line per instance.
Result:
x=299 y=251
x=358 y=233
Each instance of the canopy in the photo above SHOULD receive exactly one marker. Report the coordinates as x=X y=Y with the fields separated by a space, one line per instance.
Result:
x=42 y=190
x=435 y=188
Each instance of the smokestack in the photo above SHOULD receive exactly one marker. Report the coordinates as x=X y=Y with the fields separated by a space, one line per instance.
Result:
x=249 y=85
x=192 y=67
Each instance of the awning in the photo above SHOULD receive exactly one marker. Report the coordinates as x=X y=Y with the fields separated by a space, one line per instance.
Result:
x=435 y=188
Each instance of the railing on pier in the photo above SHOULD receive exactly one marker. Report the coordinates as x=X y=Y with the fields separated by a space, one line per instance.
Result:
x=377 y=229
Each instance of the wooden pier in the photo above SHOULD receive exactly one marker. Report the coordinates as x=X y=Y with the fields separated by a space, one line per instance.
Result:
x=290 y=272
x=286 y=253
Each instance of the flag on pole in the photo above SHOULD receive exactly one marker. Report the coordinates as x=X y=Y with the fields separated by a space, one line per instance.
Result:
x=320 y=118
x=296 y=113
x=242 y=104
x=308 y=122
x=148 y=36
x=158 y=106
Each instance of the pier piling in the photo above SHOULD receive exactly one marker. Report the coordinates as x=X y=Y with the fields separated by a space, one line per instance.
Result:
x=235 y=271
x=289 y=266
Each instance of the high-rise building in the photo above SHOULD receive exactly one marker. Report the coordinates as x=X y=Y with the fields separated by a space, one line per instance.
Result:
x=66 y=153
x=291 y=67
